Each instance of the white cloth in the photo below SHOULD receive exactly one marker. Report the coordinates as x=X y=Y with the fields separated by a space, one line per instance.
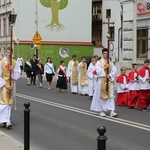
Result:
x=74 y=88
x=20 y=61
x=92 y=79
x=48 y=68
x=134 y=84
x=5 y=110
x=123 y=87
x=143 y=83
x=5 y=113
x=82 y=89
x=99 y=104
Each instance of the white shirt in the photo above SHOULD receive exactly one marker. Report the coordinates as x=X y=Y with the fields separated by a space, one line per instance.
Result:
x=48 y=68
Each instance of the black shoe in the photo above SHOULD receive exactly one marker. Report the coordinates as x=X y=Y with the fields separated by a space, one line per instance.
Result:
x=91 y=97
x=145 y=109
x=4 y=125
x=73 y=92
x=34 y=84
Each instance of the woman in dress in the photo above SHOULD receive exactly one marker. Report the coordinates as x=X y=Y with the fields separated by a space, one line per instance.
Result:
x=62 y=78
x=49 y=72
x=28 y=70
x=40 y=72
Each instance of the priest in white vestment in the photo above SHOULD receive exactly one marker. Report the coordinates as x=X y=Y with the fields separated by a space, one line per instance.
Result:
x=103 y=98
x=72 y=74
x=7 y=93
x=82 y=77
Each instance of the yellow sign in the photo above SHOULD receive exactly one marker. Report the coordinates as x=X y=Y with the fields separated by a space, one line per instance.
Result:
x=37 y=36
x=38 y=43
x=37 y=39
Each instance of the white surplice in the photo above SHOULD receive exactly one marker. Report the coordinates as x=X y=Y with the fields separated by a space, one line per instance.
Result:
x=98 y=104
x=5 y=110
x=92 y=79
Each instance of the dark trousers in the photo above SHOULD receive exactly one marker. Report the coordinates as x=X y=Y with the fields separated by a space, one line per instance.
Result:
x=33 y=77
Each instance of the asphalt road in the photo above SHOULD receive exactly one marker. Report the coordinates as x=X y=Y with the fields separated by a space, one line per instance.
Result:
x=63 y=121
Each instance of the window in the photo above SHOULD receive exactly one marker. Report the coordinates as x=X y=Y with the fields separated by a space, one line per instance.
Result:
x=4 y=27
x=108 y=13
x=142 y=43
x=112 y=33
x=96 y=9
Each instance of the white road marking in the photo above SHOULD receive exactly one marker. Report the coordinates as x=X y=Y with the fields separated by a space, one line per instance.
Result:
x=85 y=112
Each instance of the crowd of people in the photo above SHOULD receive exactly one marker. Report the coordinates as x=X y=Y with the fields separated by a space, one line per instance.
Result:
x=134 y=89
x=95 y=80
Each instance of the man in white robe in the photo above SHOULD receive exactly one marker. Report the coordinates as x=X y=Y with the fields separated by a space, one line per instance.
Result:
x=8 y=90
x=82 y=77
x=103 y=99
x=92 y=78
x=72 y=74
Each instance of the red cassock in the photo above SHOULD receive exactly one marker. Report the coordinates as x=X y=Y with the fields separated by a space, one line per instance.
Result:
x=144 y=94
x=122 y=98
x=133 y=94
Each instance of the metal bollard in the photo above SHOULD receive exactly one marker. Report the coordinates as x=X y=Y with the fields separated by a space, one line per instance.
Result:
x=101 y=139
x=27 y=126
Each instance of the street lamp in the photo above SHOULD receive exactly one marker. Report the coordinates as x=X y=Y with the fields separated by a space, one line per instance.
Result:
x=12 y=20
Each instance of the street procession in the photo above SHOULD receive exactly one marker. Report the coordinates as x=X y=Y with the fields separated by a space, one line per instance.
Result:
x=74 y=74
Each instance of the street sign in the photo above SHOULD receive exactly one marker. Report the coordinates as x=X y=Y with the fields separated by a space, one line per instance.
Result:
x=37 y=39
x=38 y=43
x=37 y=36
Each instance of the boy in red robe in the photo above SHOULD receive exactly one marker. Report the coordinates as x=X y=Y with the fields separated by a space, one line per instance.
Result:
x=144 y=81
x=122 y=90
x=133 y=86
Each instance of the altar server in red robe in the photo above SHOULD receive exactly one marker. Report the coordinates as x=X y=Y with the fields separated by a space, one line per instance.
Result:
x=122 y=90
x=133 y=86
x=144 y=82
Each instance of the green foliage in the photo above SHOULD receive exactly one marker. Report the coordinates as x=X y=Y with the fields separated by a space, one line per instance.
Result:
x=47 y=3
x=63 y=4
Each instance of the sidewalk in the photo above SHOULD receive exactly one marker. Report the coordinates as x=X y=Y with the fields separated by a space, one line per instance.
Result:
x=8 y=143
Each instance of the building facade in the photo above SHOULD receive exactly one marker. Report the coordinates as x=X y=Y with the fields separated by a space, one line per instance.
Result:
x=64 y=26
x=5 y=10
x=101 y=10
x=136 y=31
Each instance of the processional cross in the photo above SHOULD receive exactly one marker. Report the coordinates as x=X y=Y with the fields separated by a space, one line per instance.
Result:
x=108 y=37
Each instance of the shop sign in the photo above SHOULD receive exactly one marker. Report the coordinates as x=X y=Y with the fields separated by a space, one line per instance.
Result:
x=143 y=7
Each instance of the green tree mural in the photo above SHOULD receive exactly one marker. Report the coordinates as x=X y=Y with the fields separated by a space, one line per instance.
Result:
x=55 y=6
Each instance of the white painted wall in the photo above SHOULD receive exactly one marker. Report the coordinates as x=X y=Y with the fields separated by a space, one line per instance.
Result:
x=76 y=18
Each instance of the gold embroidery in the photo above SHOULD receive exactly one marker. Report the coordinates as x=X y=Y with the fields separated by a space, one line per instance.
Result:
x=5 y=93
x=104 y=94
x=74 y=73
x=83 y=74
